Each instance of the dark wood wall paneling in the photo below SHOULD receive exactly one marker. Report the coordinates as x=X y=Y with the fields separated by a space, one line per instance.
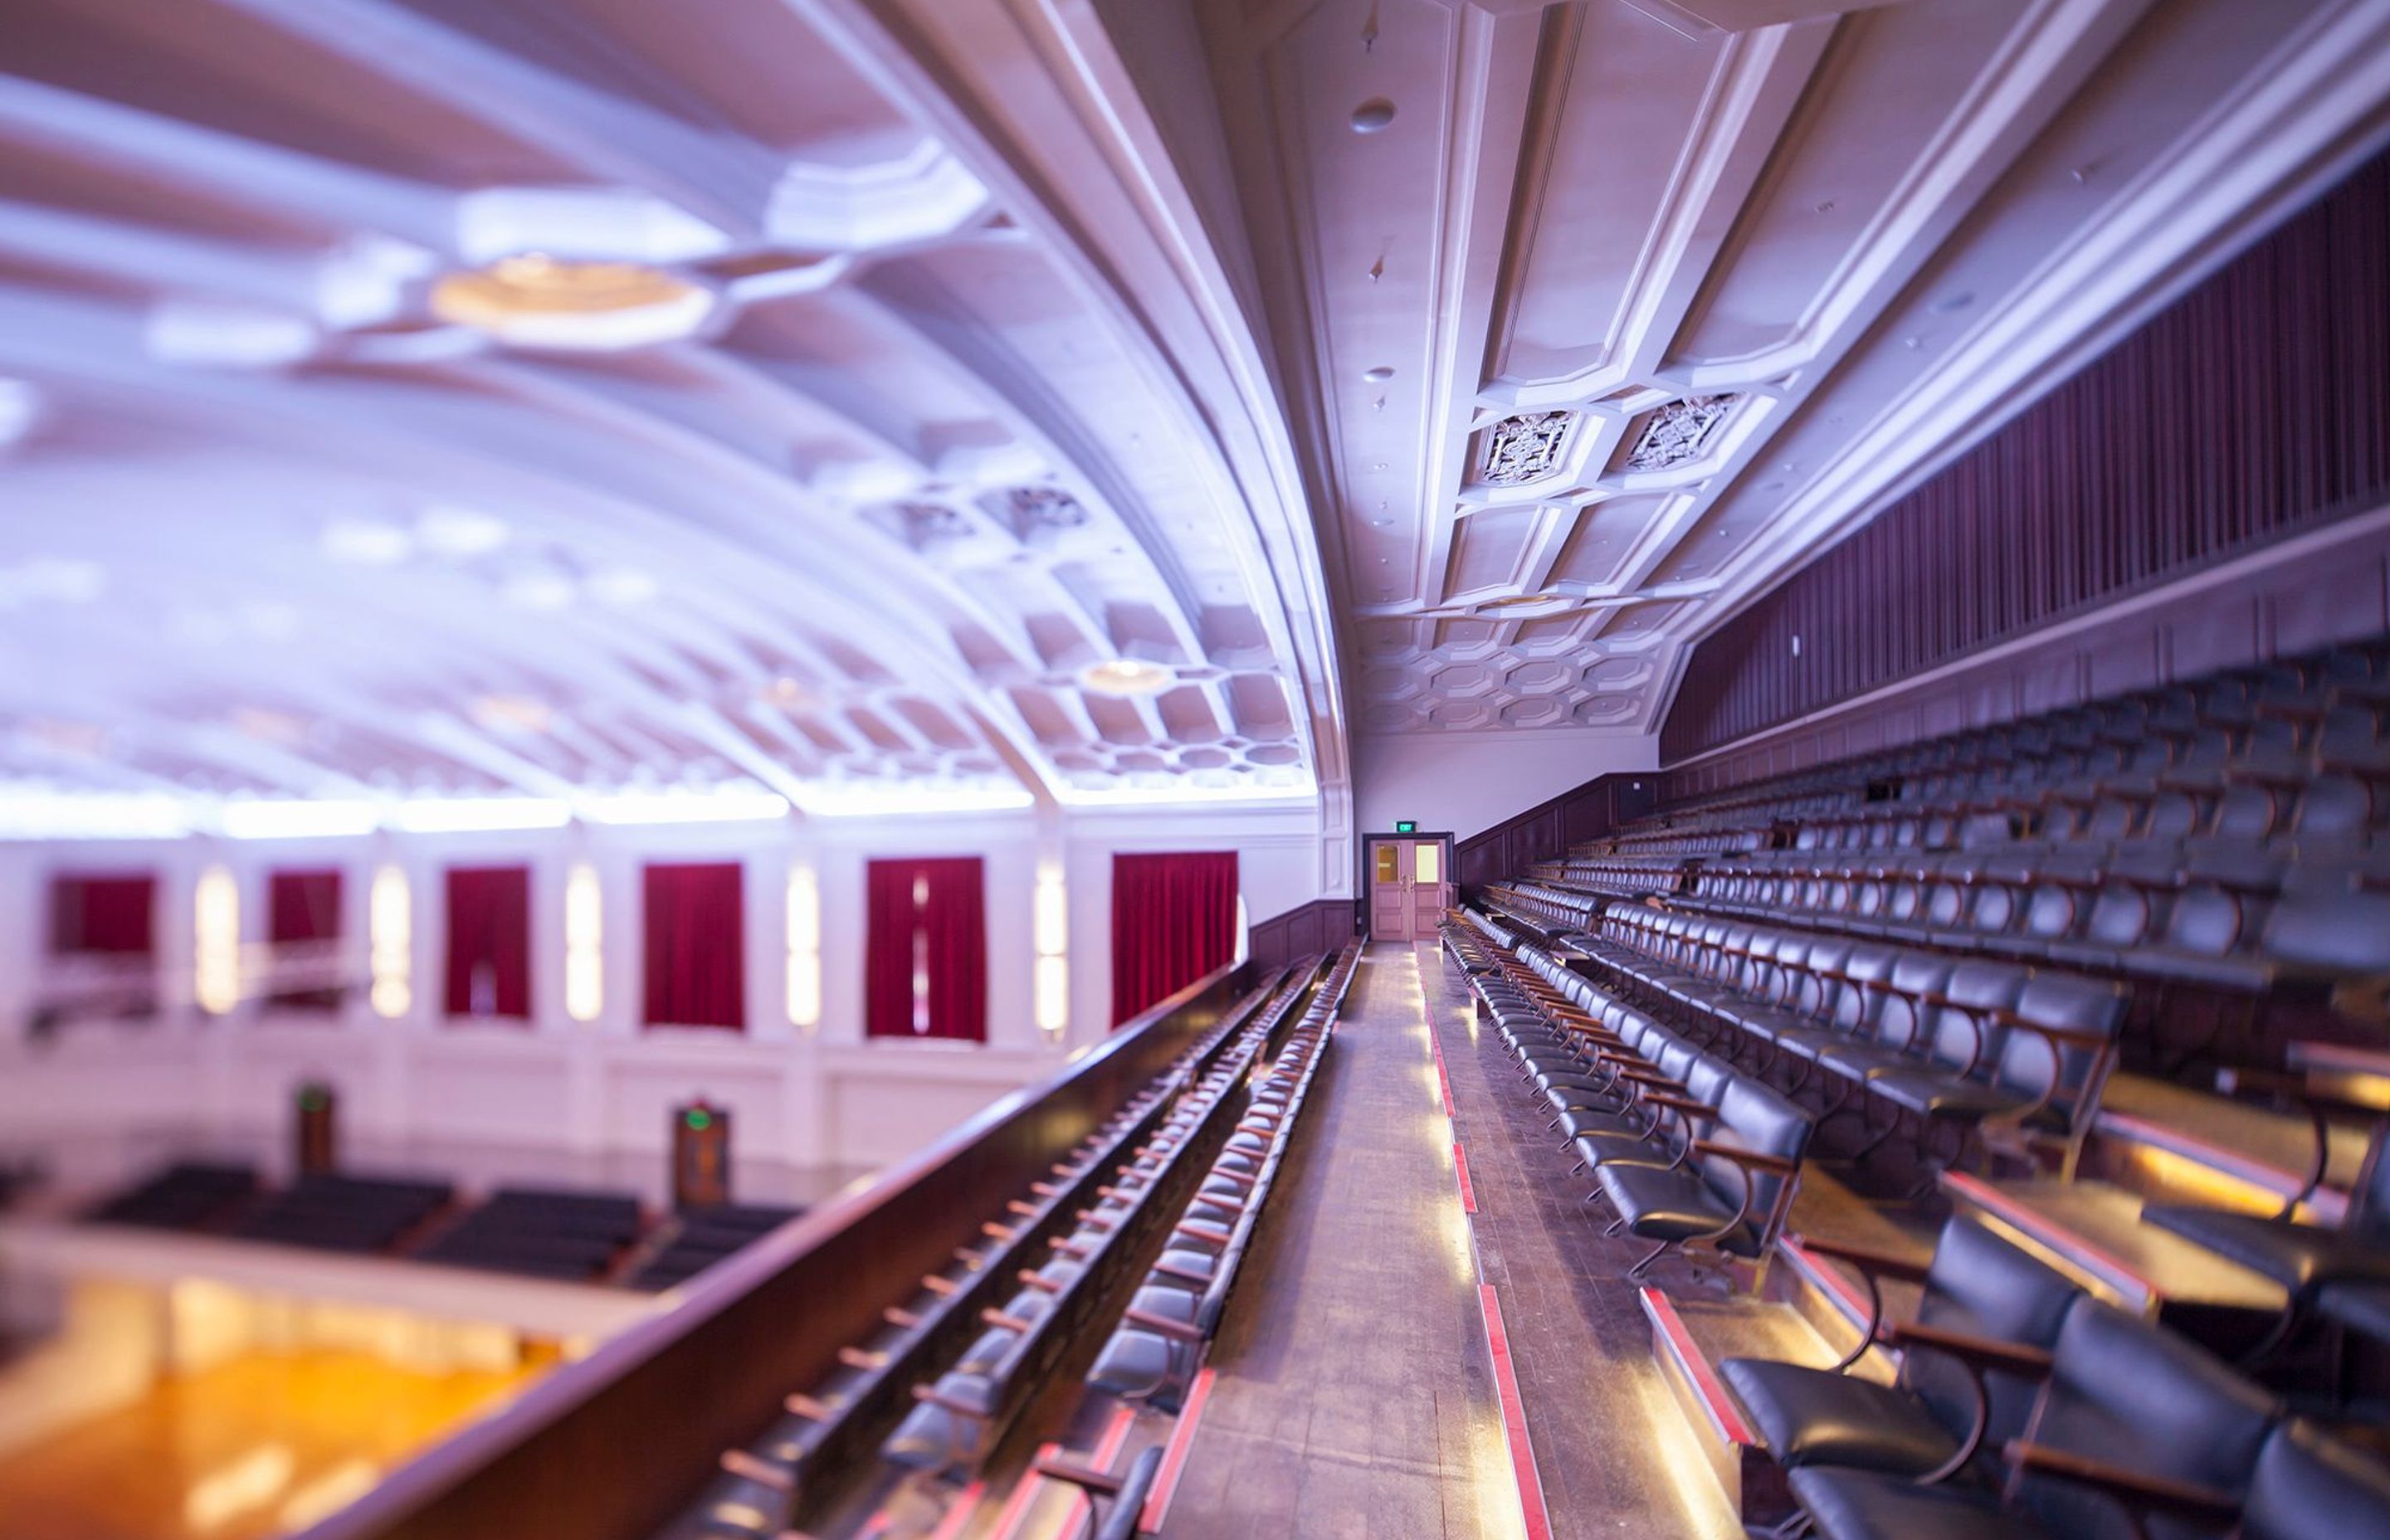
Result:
x=2257 y=609
x=2257 y=406
x=1307 y=929
x=1549 y=827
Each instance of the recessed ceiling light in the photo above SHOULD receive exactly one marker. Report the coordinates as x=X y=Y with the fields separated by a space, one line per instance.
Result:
x=514 y=712
x=540 y=591
x=622 y=585
x=1125 y=676
x=363 y=543
x=454 y=531
x=537 y=300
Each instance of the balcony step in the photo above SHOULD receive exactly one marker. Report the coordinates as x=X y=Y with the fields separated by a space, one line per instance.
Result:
x=1690 y=1339
x=2174 y=1144
x=2093 y=1231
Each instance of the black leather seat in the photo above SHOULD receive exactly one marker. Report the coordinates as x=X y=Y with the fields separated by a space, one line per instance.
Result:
x=2298 y=1256
x=1976 y=1284
x=2310 y=1486
x=2122 y=1393
x=1732 y=1195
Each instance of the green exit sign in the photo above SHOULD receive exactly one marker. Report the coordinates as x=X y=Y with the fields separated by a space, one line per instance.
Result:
x=1406 y=825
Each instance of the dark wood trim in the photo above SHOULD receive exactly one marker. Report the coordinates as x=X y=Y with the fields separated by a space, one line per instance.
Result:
x=1307 y=929
x=612 y=1447
x=1549 y=829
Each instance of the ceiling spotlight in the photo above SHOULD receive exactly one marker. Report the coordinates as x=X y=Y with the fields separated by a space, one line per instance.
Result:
x=1373 y=115
x=1377 y=374
x=536 y=301
x=363 y=543
x=1125 y=676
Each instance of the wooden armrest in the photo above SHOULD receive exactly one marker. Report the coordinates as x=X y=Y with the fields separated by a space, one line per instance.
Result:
x=1686 y=1105
x=1164 y=1325
x=1867 y=1259
x=1078 y=1475
x=2016 y=1358
x=2134 y=1488
x=1741 y=1155
x=763 y=1472
x=2068 y=1035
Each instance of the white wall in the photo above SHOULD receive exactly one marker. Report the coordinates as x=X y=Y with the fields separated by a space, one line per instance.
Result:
x=558 y=1099
x=1466 y=782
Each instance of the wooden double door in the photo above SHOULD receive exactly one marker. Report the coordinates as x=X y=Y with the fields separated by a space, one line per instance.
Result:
x=1409 y=888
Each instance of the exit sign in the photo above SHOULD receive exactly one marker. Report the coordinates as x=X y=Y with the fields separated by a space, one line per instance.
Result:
x=1406 y=825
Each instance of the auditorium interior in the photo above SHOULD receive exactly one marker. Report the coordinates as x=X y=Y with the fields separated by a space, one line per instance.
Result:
x=1067 y=769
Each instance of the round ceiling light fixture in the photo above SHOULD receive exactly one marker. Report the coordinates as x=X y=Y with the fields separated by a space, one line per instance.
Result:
x=536 y=301
x=1125 y=676
x=1373 y=116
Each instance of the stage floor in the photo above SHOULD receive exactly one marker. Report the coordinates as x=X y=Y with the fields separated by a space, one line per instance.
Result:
x=260 y=1445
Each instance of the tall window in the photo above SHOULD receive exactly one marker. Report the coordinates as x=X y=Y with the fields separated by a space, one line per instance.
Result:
x=1174 y=921
x=489 y=941
x=925 y=959
x=696 y=946
x=303 y=922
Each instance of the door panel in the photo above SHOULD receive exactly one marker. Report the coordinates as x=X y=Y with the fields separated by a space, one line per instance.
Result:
x=1389 y=901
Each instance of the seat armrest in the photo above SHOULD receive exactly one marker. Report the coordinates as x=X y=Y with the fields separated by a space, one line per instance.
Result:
x=1686 y=1105
x=1867 y=1259
x=2133 y=1488
x=1743 y=1155
x=2016 y=1358
x=1164 y=1325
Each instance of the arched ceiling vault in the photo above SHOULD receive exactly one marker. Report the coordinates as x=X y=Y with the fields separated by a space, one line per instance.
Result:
x=445 y=397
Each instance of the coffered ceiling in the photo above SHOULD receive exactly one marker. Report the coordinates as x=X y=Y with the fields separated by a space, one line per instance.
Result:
x=1596 y=318
x=407 y=399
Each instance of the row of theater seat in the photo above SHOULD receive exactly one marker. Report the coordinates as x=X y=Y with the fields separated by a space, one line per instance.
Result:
x=1153 y=1355
x=1966 y=1045
x=959 y=1416
x=2286 y=721
x=2226 y=918
x=960 y=1364
x=557 y=1234
x=695 y=1239
x=1688 y=1153
x=2024 y=1409
x=566 y=1234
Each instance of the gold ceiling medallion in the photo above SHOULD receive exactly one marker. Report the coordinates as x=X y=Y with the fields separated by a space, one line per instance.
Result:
x=535 y=301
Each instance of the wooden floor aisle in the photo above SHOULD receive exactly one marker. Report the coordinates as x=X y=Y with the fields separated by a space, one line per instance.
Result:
x=1355 y=1395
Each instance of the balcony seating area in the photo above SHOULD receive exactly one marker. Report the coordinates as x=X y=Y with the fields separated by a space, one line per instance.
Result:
x=568 y=1234
x=934 y=1389
x=330 y=1213
x=576 y=1235
x=1153 y=1355
x=2216 y=846
x=188 y=1195
x=1940 y=964
x=694 y=1240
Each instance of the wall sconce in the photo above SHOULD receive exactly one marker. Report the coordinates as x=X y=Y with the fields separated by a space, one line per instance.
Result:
x=389 y=929
x=805 y=949
x=584 y=957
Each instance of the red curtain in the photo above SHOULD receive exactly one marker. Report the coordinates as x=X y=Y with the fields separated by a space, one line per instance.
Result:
x=489 y=941
x=115 y=915
x=696 y=946
x=1174 y=921
x=925 y=955
x=303 y=912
